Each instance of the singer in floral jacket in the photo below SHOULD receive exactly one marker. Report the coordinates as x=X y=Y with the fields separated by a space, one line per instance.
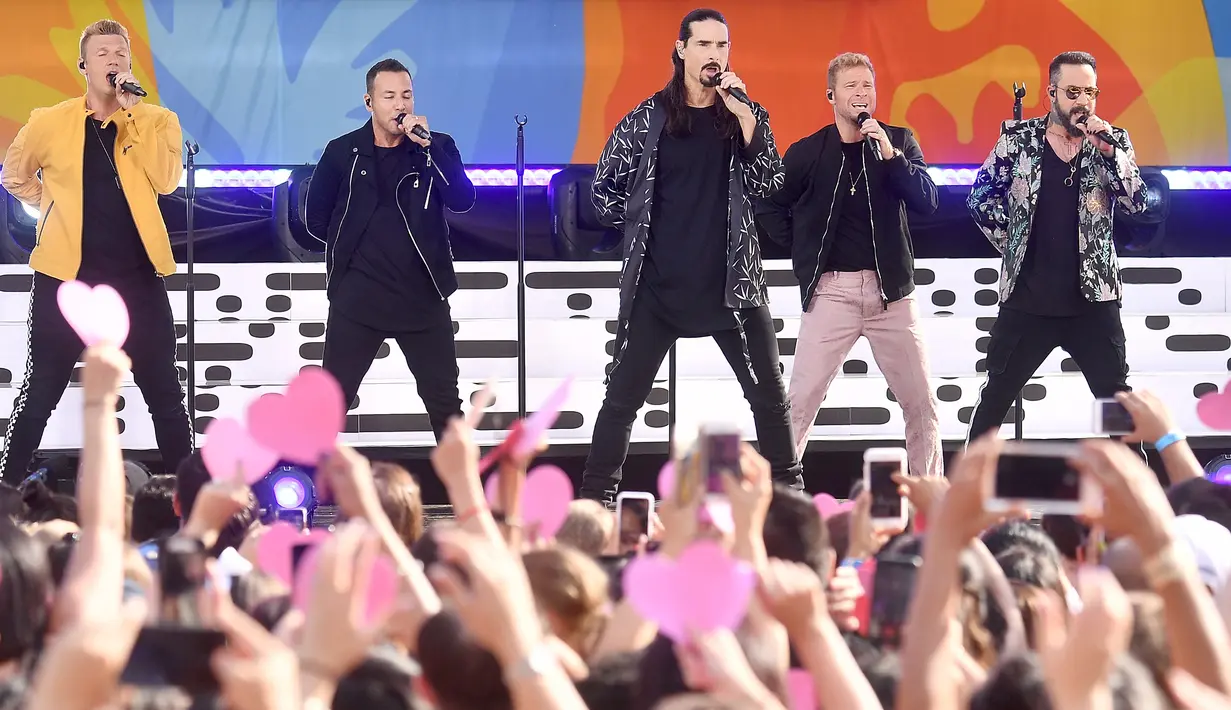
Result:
x=1046 y=198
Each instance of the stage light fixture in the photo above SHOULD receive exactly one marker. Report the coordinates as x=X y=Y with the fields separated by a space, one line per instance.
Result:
x=1218 y=469
x=22 y=222
x=286 y=487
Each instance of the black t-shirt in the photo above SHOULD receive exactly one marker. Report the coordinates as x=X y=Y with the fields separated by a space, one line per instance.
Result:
x=851 y=248
x=1049 y=283
x=387 y=285
x=684 y=277
x=111 y=248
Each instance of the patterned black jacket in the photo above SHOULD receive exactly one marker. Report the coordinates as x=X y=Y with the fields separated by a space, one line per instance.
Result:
x=623 y=191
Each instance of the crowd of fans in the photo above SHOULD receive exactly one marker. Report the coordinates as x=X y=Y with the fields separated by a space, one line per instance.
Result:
x=1126 y=610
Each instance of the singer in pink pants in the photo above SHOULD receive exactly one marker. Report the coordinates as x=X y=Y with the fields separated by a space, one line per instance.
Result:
x=842 y=211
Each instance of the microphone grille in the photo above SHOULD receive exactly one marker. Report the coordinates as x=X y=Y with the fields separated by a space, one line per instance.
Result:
x=863 y=116
x=1082 y=118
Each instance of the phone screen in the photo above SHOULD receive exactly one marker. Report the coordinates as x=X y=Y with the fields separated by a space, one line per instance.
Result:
x=174 y=656
x=1030 y=477
x=892 y=588
x=1116 y=419
x=181 y=574
x=295 y=516
x=886 y=503
x=721 y=458
x=297 y=551
x=634 y=521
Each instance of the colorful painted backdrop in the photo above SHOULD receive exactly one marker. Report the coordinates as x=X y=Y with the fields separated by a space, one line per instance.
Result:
x=271 y=81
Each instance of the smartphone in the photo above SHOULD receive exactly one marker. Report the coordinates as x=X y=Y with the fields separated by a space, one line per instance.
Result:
x=297 y=551
x=888 y=507
x=295 y=516
x=719 y=448
x=175 y=650
x=1111 y=417
x=1037 y=475
x=633 y=511
x=892 y=588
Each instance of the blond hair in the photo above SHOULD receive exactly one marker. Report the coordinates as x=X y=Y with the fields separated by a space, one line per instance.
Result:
x=100 y=29
x=848 y=60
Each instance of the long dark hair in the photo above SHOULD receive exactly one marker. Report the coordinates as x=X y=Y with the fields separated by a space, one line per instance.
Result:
x=675 y=95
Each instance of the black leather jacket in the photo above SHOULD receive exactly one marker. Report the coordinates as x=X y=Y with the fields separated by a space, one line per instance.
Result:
x=343 y=194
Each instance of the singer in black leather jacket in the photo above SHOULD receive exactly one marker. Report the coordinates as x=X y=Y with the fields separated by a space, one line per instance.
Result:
x=377 y=201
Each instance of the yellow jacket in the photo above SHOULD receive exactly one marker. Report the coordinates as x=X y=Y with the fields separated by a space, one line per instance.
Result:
x=147 y=158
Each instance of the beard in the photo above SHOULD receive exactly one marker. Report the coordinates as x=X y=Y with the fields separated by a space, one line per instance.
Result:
x=1068 y=121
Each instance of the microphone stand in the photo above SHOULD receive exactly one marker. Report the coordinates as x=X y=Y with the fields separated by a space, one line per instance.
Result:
x=1019 y=93
x=190 y=192
x=521 y=121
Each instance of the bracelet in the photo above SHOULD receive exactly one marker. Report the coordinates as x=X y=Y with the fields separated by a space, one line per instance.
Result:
x=1168 y=439
x=531 y=666
x=474 y=511
x=853 y=562
x=109 y=401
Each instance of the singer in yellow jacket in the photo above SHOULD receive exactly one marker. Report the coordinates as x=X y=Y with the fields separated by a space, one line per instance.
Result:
x=95 y=166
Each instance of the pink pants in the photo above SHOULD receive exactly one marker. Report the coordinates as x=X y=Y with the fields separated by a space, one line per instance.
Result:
x=846 y=306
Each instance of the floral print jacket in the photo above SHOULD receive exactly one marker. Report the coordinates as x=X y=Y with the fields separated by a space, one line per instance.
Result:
x=1006 y=191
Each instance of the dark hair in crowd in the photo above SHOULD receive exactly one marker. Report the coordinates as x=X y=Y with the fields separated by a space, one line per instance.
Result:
x=675 y=94
x=25 y=587
x=43 y=505
x=153 y=512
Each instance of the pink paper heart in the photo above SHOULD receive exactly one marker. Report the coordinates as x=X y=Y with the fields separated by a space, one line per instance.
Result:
x=301 y=425
x=535 y=426
x=703 y=590
x=229 y=448
x=1214 y=409
x=666 y=480
x=544 y=497
x=799 y=689
x=98 y=314
x=826 y=504
x=382 y=586
x=274 y=549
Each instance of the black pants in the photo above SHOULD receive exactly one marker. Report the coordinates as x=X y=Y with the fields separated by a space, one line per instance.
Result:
x=648 y=340
x=54 y=350
x=1020 y=342
x=431 y=355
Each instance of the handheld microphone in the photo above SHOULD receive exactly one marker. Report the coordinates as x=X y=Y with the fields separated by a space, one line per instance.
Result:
x=128 y=86
x=736 y=93
x=874 y=144
x=417 y=130
x=1105 y=136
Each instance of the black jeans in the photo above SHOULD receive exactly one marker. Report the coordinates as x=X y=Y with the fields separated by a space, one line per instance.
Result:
x=1020 y=342
x=431 y=355
x=648 y=340
x=54 y=350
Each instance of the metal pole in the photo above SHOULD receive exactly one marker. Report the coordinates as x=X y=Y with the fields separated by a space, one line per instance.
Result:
x=190 y=192
x=521 y=264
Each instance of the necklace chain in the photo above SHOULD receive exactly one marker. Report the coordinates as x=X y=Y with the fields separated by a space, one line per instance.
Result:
x=106 y=153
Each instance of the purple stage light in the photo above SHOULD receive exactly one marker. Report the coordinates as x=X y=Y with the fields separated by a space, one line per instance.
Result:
x=289 y=493
x=1218 y=469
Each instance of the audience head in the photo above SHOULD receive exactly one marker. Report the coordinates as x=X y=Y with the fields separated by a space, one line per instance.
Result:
x=153 y=509
x=794 y=532
x=588 y=527
x=400 y=499
x=25 y=588
x=571 y=590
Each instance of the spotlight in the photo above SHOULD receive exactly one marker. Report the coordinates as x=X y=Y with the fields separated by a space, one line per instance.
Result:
x=1218 y=469
x=22 y=223
x=287 y=487
x=1147 y=228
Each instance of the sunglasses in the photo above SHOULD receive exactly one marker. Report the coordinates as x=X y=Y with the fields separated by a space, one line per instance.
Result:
x=1075 y=91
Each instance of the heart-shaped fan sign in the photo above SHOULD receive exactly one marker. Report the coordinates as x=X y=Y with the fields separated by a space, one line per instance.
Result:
x=545 y=498
x=301 y=425
x=98 y=315
x=275 y=554
x=666 y=480
x=829 y=506
x=703 y=590
x=799 y=689
x=229 y=449
x=381 y=593
x=1214 y=409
